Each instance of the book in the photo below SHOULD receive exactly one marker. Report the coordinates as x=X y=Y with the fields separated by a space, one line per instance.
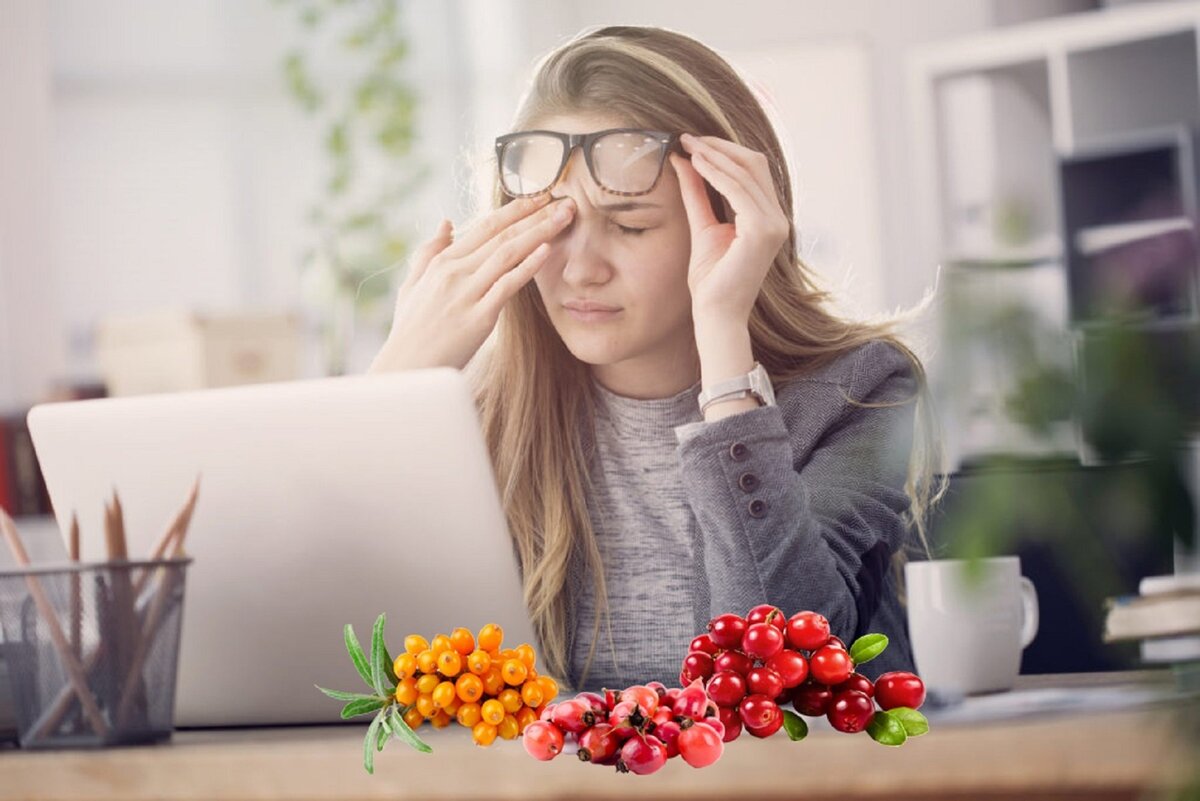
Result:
x=1133 y=617
x=1159 y=585
x=1183 y=648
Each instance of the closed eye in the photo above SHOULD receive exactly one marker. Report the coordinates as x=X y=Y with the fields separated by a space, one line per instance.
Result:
x=625 y=229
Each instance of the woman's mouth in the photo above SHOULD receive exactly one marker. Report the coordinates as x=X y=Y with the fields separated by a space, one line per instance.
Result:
x=590 y=312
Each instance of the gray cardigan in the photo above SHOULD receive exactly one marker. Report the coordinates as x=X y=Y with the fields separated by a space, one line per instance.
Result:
x=796 y=504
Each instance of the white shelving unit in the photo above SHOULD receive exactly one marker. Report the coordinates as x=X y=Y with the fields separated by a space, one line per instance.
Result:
x=994 y=115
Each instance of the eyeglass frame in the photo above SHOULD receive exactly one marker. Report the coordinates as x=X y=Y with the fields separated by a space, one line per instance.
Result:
x=667 y=140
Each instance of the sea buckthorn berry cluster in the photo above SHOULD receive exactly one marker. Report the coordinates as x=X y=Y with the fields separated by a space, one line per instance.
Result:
x=751 y=666
x=636 y=729
x=472 y=680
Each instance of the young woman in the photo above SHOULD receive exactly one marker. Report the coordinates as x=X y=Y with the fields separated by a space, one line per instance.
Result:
x=679 y=426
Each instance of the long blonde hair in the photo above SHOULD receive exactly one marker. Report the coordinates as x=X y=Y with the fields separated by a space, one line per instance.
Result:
x=534 y=396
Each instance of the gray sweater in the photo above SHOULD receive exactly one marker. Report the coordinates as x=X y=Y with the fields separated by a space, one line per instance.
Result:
x=796 y=504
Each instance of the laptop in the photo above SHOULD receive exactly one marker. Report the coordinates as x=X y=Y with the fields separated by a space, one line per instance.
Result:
x=322 y=502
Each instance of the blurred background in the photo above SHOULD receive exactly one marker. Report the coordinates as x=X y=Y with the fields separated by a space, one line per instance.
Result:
x=210 y=192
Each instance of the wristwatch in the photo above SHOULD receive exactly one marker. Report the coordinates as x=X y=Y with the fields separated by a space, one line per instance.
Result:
x=756 y=383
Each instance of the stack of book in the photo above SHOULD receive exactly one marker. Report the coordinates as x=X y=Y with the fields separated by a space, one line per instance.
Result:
x=1164 y=616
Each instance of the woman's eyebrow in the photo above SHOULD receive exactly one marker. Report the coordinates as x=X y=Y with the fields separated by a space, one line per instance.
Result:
x=629 y=205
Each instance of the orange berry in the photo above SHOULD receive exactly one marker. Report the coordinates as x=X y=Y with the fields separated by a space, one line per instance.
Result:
x=514 y=671
x=468 y=715
x=463 y=641
x=479 y=662
x=427 y=682
x=444 y=693
x=452 y=707
x=415 y=644
x=531 y=693
x=483 y=733
x=508 y=653
x=469 y=687
x=405 y=665
x=549 y=688
x=525 y=716
x=406 y=691
x=427 y=661
x=526 y=654
x=508 y=729
x=511 y=699
x=492 y=711
x=413 y=717
x=426 y=706
x=440 y=643
x=449 y=663
x=442 y=719
x=493 y=681
x=490 y=637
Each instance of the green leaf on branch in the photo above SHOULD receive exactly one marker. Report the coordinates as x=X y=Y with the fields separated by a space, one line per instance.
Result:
x=357 y=656
x=379 y=657
x=369 y=742
x=795 y=726
x=339 y=695
x=867 y=647
x=915 y=724
x=886 y=729
x=361 y=707
x=402 y=730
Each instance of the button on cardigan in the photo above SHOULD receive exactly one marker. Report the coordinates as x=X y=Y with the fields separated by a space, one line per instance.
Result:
x=798 y=505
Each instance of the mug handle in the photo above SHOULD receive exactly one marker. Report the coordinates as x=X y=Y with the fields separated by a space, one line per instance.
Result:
x=1029 y=603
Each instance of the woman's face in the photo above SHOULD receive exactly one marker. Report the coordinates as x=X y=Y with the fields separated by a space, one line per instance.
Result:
x=628 y=254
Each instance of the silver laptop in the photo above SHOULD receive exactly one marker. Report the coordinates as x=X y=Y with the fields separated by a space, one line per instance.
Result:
x=322 y=502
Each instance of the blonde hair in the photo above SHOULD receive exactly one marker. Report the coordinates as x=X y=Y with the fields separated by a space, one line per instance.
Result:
x=534 y=396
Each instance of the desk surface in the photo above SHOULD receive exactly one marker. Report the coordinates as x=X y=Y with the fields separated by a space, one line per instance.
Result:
x=1107 y=755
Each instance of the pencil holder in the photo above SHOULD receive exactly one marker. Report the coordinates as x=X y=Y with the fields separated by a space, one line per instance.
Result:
x=92 y=651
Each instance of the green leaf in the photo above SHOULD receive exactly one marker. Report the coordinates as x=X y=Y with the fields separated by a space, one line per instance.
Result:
x=338 y=695
x=357 y=656
x=401 y=729
x=379 y=657
x=915 y=724
x=361 y=707
x=867 y=647
x=369 y=742
x=385 y=731
x=886 y=729
x=795 y=726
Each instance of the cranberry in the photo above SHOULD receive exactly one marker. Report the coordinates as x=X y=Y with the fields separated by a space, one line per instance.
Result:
x=727 y=630
x=851 y=711
x=899 y=688
x=700 y=745
x=735 y=661
x=766 y=613
x=599 y=744
x=697 y=665
x=542 y=740
x=775 y=724
x=762 y=641
x=642 y=755
x=757 y=710
x=857 y=681
x=830 y=665
x=764 y=681
x=727 y=688
x=811 y=698
x=704 y=642
x=836 y=642
x=791 y=666
x=807 y=631
x=731 y=719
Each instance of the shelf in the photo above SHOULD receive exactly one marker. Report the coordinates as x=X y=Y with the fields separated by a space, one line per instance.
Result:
x=1097 y=239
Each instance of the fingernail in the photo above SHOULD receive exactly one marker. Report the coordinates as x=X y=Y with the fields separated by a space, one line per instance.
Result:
x=563 y=212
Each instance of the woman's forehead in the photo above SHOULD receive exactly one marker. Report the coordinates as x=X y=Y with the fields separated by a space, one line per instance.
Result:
x=581 y=123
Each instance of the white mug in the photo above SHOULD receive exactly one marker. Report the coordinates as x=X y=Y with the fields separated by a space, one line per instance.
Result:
x=967 y=636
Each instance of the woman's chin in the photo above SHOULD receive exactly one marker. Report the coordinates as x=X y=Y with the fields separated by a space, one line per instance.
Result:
x=593 y=351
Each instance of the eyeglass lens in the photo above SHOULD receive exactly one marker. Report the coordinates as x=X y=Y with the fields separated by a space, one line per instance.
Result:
x=626 y=162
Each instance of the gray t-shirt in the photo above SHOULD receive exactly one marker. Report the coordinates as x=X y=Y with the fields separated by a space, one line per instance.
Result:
x=796 y=504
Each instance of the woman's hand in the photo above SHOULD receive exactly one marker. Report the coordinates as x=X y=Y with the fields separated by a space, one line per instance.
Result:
x=729 y=260
x=451 y=298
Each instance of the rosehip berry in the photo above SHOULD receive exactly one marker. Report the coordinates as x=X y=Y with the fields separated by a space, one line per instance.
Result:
x=669 y=734
x=791 y=666
x=697 y=665
x=757 y=711
x=857 y=681
x=830 y=665
x=762 y=641
x=733 y=660
x=899 y=688
x=700 y=745
x=692 y=700
x=811 y=698
x=599 y=744
x=704 y=642
x=626 y=719
x=727 y=630
x=671 y=694
x=644 y=697
x=642 y=755
x=764 y=681
x=596 y=701
x=548 y=712
x=542 y=740
x=716 y=723
x=573 y=715
x=662 y=715
x=727 y=688
x=851 y=711
x=659 y=688
x=766 y=613
x=807 y=631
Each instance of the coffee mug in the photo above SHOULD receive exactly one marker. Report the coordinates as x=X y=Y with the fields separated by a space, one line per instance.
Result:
x=968 y=633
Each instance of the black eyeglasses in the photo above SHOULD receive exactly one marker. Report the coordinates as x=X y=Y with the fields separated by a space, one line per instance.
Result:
x=622 y=161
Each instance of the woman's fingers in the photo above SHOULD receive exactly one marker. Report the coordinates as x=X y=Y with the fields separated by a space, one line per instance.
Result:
x=502 y=255
x=442 y=238
x=752 y=161
x=696 y=201
x=493 y=223
x=509 y=283
x=749 y=187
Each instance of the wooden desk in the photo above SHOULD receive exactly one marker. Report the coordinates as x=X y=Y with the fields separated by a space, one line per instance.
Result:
x=1114 y=755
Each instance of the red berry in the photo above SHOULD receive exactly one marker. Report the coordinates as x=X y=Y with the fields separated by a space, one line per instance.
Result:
x=662 y=715
x=543 y=740
x=899 y=688
x=762 y=641
x=807 y=631
x=704 y=642
x=733 y=660
x=626 y=719
x=836 y=642
x=758 y=711
x=770 y=728
x=599 y=707
x=764 y=681
x=548 y=712
x=642 y=755
x=766 y=613
x=692 y=700
x=791 y=666
x=659 y=688
x=851 y=711
x=727 y=688
x=830 y=665
x=715 y=722
x=700 y=745
x=857 y=681
x=646 y=698
x=671 y=694
x=598 y=744
x=697 y=665
x=727 y=630
x=669 y=734
x=573 y=715
x=811 y=698
x=732 y=720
